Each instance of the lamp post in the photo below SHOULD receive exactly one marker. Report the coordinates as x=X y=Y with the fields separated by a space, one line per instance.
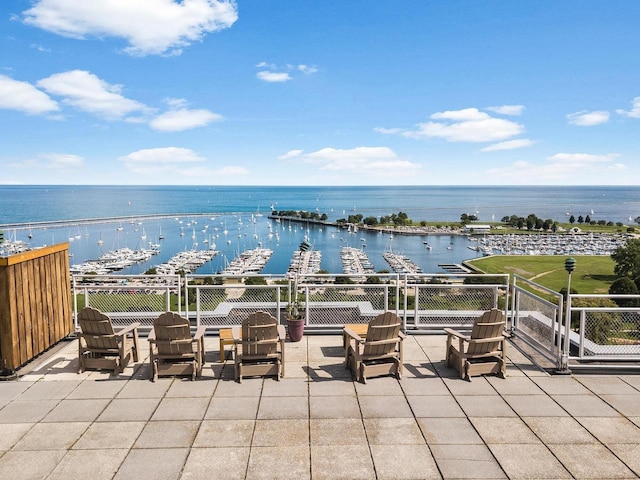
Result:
x=569 y=266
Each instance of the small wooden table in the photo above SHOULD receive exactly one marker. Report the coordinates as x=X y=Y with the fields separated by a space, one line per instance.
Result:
x=226 y=338
x=357 y=328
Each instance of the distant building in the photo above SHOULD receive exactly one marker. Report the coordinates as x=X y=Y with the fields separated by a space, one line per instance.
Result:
x=477 y=229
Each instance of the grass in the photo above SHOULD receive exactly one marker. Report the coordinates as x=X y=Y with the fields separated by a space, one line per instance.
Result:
x=593 y=273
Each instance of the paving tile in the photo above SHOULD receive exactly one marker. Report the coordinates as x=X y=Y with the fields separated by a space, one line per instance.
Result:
x=611 y=430
x=30 y=411
x=424 y=386
x=167 y=434
x=227 y=463
x=106 y=435
x=606 y=385
x=393 y=431
x=290 y=462
x=241 y=408
x=383 y=385
x=404 y=461
x=629 y=454
x=249 y=387
x=628 y=405
x=383 y=406
x=535 y=406
x=49 y=390
x=531 y=461
x=451 y=431
x=504 y=430
x=336 y=462
x=181 y=408
x=515 y=386
x=224 y=433
x=142 y=389
x=470 y=462
x=272 y=408
x=485 y=406
x=94 y=464
x=276 y=433
x=477 y=386
x=185 y=387
x=129 y=410
x=12 y=433
x=91 y=389
x=156 y=463
x=633 y=380
x=591 y=461
x=346 y=431
x=77 y=410
x=585 y=406
x=318 y=371
x=52 y=436
x=20 y=465
x=561 y=385
x=562 y=430
x=286 y=387
x=435 y=406
x=334 y=407
x=11 y=390
x=331 y=388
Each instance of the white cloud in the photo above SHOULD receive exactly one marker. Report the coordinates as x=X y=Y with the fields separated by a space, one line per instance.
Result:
x=62 y=160
x=581 y=159
x=307 y=69
x=87 y=92
x=467 y=125
x=635 y=109
x=273 y=76
x=291 y=154
x=588 y=119
x=157 y=160
x=388 y=131
x=183 y=119
x=24 y=97
x=149 y=26
x=507 y=109
x=508 y=145
x=360 y=160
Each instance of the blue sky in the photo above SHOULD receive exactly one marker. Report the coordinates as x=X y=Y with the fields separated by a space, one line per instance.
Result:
x=264 y=92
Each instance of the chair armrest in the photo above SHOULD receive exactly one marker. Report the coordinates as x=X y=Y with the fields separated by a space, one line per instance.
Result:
x=152 y=335
x=487 y=340
x=402 y=335
x=282 y=333
x=236 y=334
x=353 y=335
x=454 y=333
x=200 y=332
x=128 y=329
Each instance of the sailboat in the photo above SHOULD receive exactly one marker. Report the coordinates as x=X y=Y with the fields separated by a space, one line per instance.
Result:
x=160 y=235
x=100 y=241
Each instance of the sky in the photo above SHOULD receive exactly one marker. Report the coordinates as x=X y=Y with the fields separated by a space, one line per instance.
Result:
x=333 y=92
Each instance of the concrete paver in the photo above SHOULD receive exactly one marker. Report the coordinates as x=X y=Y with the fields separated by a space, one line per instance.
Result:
x=317 y=422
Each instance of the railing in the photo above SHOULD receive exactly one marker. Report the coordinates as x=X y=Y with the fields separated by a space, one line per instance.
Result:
x=128 y=298
x=536 y=320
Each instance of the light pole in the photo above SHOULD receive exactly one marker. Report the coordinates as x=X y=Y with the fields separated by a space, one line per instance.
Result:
x=569 y=266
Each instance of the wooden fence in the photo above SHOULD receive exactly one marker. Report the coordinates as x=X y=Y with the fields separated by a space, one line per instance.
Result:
x=35 y=303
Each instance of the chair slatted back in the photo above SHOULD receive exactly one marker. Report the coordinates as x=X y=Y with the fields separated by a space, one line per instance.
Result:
x=488 y=325
x=97 y=330
x=382 y=335
x=260 y=335
x=173 y=334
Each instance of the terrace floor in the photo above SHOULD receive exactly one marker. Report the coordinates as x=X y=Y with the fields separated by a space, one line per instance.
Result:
x=316 y=422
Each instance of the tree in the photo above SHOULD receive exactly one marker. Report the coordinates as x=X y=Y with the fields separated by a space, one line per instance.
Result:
x=572 y=219
x=587 y=219
x=624 y=286
x=627 y=259
x=580 y=219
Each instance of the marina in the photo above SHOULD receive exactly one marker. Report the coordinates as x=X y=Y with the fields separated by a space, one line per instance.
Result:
x=401 y=263
x=186 y=262
x=114 y=260
x=305 y=263
x=248 y=262
x=356 y=262
x=549 y=244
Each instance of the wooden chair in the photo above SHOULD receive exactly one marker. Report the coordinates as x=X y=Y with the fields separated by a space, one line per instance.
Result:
x=380 y=352
x=172 y=349
x=259 y=346
x=101 y=347
x=485 y=351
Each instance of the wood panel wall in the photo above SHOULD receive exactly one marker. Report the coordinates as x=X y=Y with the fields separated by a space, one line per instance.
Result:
x=35 y=303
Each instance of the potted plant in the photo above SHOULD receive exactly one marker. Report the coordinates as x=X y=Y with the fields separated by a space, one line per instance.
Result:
x=295 y=316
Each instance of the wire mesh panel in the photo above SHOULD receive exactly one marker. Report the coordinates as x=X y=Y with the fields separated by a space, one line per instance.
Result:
x=606 y=333
x=127 y=299
x=536 y=320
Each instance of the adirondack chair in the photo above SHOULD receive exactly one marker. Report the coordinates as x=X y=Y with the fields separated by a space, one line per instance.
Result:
x=380 y=352
x=101 y=347
x=485 y=351
x=172 y=349
x=259 y=346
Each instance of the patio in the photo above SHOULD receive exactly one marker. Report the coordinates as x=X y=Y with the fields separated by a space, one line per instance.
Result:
x=316 y=422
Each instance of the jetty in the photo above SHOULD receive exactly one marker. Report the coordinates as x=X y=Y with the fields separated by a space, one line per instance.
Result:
x=114 y=260
x=356 y=262
x=248 y=262
x=186 y=262
x=304 y=263
x=401 y=263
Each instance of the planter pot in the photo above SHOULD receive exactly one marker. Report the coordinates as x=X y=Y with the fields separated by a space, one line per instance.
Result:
x=295 y=328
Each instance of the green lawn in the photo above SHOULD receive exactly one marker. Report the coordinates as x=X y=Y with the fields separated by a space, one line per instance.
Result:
x=593 y=273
